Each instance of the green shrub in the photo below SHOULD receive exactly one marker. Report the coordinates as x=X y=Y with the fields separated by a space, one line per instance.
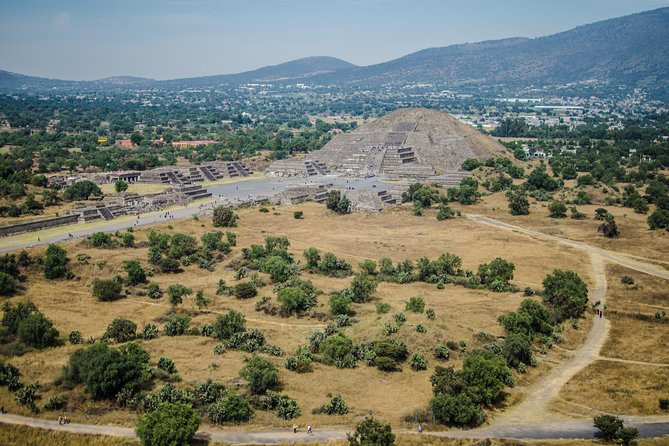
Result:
x=106 y=290
x=101 y=240
x=298 y=215
x=261 y=374
x=245 y=290
x=336 y=406
x=441 y=351
x=136 y=273
x=456 y=410
x=177 y=325
x=608 y=426
x=229 y=324
x=416 y=305
x=382 y=307
x=370 y=432
x=150 y=331
x=121 y=330
x=418 y=362
x=75 y=337
x=167 y=365
x=232 y=408
x=105 y=370
x=287 y=408
x=224 y=217
x=37 y=331
x=55 y=262
x=168 y=425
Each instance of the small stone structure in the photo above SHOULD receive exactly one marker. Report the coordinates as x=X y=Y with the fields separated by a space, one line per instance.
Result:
x=177 y=175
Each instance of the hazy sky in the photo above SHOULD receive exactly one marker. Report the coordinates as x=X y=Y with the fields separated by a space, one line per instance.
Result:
x=166 y=39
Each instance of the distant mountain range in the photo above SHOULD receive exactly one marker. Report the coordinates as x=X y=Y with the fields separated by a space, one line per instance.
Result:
x=631 y=51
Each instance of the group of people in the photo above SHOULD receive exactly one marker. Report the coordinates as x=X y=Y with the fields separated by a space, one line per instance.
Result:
x=309 y=429
x=63 y=420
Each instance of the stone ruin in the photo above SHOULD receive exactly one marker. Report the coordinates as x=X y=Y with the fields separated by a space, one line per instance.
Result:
x=176 y=175
x=124 y=203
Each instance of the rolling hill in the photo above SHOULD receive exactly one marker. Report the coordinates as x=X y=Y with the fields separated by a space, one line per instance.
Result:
x=632 y=51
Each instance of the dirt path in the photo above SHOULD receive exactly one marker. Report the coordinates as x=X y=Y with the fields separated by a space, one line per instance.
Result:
x=629 y=361
x=534 y=407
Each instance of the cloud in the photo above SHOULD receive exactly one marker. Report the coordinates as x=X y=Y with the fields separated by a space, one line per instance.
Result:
x=62 y=21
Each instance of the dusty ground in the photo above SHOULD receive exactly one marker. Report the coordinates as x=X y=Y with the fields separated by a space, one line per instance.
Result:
x=461 y=313
x=635 y=238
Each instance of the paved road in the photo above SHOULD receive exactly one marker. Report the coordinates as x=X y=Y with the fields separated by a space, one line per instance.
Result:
x=648 y=427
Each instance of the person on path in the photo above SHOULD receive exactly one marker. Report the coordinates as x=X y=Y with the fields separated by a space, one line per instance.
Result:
x=309 y=431
x=60 y=420
x=420 y=428
x=294 y=428
x=2 y=410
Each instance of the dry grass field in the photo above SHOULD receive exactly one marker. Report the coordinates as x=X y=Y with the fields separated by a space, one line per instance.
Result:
x=461 y=313
x=614 y=387
x=635 y=238
x=635 y=335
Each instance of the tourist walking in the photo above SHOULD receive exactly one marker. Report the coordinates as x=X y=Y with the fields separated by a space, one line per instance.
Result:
x=294 y=428
x=60 y=420
x=309 y=431
x=420 y=428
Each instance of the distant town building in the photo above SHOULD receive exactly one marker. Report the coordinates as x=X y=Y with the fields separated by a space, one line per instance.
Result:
x=206 y=142
x=127 y=143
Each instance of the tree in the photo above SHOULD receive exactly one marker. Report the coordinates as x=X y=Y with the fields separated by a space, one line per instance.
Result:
x=456 y=410
x=471 y=164
x=659 y=219
x=313 y=257
x=106 y=290
x=171 y=424
x=201 y=301
x=499 y=270
x=278 y=268
x=136 y=138
x=511 y=127
x=517 y=349
x=55 y=262
x=370 y=432
x=176 y=293
x=609 y=228
x=228 y=324
x=225 y=217
x=340 y=303
x=486 y=375
x=82 y=190
x=120 y=186
x=557 y=209
x=337 y=202
x=295 y=300
x=260 y=373
x=567 y=293
x=121 y=330
x=518 y=202
x=245 y=290
x=182 y=245
x=336 y=348
x=608 y=426
x=231 y=408
x=101 y=240
x=444 y=212
x=539 y=179
x=105 y=370
x=136 y=273
x=8 y=285
x=37 y=331
x=362 y=288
